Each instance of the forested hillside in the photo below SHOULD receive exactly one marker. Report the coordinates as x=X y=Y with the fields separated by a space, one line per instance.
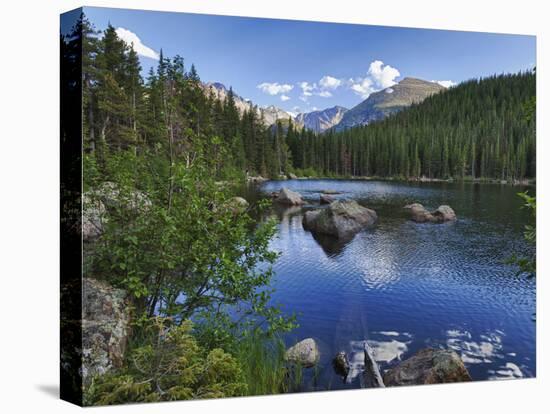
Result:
x=479 y=129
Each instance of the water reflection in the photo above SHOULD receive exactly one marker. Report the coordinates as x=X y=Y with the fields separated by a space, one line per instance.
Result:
x=485 y=350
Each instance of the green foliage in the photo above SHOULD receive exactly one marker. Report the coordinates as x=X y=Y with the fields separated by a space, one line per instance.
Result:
x=169 y=365
x=528 y=265
x=262 y=360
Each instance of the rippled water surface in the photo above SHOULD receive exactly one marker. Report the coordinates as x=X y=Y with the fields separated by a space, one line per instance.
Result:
x=404 y=286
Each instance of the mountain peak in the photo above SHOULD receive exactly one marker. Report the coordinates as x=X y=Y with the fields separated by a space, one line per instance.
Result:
x=387 y=101
x=321 y=120
x=414 y=81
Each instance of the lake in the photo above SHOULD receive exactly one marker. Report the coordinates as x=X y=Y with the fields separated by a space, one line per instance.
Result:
x=404 y=286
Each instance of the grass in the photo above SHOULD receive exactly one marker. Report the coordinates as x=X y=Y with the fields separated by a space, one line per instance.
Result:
x=264 y=367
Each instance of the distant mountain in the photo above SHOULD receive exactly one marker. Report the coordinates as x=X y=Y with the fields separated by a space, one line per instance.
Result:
x=320 y=121
x=270 y=114
x=387 y=101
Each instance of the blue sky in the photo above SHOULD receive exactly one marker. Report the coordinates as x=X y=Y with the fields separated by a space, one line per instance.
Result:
x=301 y=66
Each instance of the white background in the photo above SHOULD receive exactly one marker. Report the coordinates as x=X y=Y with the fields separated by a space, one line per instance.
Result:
x=29 y=237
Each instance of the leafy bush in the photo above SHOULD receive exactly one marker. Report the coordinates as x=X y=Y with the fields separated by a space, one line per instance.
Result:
x=169 y=365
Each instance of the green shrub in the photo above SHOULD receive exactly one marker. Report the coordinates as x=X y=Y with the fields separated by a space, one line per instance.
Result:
x=169 y=365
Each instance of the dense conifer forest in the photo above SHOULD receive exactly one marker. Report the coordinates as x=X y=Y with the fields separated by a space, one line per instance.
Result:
x=478 y=129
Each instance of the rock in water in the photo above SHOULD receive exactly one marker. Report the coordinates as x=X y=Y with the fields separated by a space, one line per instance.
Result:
x=342 y=219
x=305 y=353
x=428 y=366
x=444 y=213
x=419 y=214
x=105 y=327
x=341 y=364
x=289 y=197
x=325 y=199
x=330 y=192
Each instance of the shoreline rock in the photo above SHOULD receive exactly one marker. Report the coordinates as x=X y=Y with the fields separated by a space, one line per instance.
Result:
x=428 y=366
x=306 y=353
x=341 y=364
x=105 y=327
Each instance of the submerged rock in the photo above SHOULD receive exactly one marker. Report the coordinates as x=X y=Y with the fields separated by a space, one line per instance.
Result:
x=305 y=353
x=420 y=214
x=105 y=327
x=341 y=364
x=326 y=199
x=428 y=366
x=331 y=192
x=342 y=219
x=289 y=197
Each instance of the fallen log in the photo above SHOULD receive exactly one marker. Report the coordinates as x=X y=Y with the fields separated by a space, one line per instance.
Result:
x=371 y=374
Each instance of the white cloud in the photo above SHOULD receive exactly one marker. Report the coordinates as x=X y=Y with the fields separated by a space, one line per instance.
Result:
x=285 y=98
x=325 y=94
x=445 y=83
x=131 y=39
x=328 y=82
x=362 y=87
x=307 y=88
x=383 y=76
x=379 y=76
x=275 y=88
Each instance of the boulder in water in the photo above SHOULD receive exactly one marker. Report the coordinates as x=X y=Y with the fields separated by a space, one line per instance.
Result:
x=289 y=197
x=325 y=199
x=305 y=353
x=420 y=214
x=428 y=366
x=342 y=219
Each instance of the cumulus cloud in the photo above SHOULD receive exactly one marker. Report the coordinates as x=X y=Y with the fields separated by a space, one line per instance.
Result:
x=383 y=75
x=446 y=83
x=307 y=88
x=362 y=87
x=275 y=88
x=285 y=98
x=323 y=88
x=131 y=39
x=328 y=82
x=379 y=76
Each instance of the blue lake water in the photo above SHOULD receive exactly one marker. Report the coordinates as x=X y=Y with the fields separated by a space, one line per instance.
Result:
x=404 y=286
